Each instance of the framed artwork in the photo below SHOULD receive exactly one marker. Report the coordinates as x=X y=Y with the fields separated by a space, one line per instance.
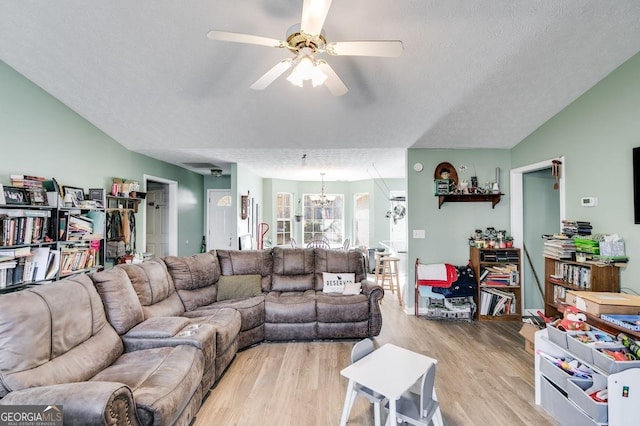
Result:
x=97 y=195
x=37 y=197
x=244 y=207
x=76 y=193
x=2 y=200
x=15 y=196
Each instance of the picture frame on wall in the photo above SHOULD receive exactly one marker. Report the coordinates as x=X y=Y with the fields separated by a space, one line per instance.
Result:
x=15 y=196
x=244 y=207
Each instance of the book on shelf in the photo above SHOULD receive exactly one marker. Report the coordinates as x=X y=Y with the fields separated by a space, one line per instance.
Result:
x=40 y=261
x=503 y=275
x=496 y=302
x=54 y=264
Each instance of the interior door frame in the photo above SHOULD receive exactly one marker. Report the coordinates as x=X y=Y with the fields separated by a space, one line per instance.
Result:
x=172 y=246
x=517 y=202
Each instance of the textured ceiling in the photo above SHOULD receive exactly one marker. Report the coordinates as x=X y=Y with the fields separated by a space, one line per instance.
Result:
x=474 y=73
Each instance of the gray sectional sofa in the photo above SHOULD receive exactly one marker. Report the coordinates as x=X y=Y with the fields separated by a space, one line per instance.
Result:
x=143 y=343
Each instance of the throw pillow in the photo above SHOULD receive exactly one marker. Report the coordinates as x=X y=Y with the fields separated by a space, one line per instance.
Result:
x=352 y=288
x=239 y=286
x=334 y=283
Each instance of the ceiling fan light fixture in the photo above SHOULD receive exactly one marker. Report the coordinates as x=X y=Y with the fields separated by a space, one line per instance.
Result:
x=306 y=69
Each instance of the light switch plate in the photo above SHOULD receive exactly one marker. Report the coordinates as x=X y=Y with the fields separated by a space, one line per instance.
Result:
x=419 y=233
x=589 y=201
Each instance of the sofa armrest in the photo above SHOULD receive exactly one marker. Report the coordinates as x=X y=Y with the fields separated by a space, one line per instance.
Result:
x=371 y=290
x=83 y=403
x=374 y=293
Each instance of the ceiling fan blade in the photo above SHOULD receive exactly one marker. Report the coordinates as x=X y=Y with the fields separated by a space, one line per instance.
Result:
x=387 y=48
x=333 y=82
x=271 y=75
x=314 y=12
x=244 y=38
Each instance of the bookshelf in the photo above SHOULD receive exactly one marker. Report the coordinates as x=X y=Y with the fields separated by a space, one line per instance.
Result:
x=26 y=239
x=563 y=275
x=80 y=240
x=498 y=271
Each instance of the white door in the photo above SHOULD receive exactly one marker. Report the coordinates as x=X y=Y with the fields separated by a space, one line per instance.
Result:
x=220 y=219
x=157 y=224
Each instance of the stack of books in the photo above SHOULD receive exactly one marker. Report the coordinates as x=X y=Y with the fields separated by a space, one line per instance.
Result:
x=503 y=275
x=34 y=186
x=559 y=247
x=576 y=227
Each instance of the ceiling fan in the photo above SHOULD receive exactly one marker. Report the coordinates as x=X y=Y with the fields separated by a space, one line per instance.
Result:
x=307 y=41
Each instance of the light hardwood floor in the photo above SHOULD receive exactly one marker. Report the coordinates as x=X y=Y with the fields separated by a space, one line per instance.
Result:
x=484 y=377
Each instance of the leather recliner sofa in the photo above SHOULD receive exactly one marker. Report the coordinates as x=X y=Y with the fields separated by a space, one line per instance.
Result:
x=119 y=332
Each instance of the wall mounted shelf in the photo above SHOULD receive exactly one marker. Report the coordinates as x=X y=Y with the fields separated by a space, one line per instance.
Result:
x=469 y=198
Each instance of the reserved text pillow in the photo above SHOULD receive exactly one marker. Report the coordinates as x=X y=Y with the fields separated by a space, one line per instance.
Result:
x=239 y=286
x=334 y=283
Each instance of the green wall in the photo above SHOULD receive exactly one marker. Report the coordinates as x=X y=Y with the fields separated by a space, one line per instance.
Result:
x=448 y=229
x=596 y=134
x=41 y=136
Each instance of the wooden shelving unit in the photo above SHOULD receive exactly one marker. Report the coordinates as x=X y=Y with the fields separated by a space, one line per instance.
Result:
x=594 y=278
x=482 y=258
x=469 y=198
x=114 y=202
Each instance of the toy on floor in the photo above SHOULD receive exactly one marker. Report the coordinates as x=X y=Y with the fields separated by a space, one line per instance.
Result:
x=573 y=320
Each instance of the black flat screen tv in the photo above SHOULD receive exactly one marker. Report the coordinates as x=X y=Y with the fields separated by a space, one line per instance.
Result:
x=636 y=185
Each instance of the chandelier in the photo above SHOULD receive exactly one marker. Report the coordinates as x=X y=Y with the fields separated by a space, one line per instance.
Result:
x=322 y=200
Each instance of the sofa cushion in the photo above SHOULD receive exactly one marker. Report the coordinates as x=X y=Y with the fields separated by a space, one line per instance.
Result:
x=293 y=269
x=194 y=278
x=55 y=333
x=352 y=289
x=163 y=380
x=155 y=288
x=340 y=308
x=239 y=286
x=120 y=300
x=247 y=262
x=290 y=307
x=328 y=260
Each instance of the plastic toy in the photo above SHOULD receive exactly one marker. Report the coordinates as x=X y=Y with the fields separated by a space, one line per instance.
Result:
x=573 y=320
x=564 y=365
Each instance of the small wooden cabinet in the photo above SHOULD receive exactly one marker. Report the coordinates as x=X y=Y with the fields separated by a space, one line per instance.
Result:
x=499 y=295
x=563 y=275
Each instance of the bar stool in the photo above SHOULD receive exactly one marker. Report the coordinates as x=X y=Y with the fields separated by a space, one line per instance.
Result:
x=387 y=274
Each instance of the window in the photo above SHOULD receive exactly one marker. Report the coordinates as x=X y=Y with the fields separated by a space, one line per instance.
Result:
x=327 y=221
x=284 y=215
x=361 y=220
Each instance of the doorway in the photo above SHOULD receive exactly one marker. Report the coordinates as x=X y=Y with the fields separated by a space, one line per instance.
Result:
x=220 y=225
x=160 y=216
x=536 y=209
